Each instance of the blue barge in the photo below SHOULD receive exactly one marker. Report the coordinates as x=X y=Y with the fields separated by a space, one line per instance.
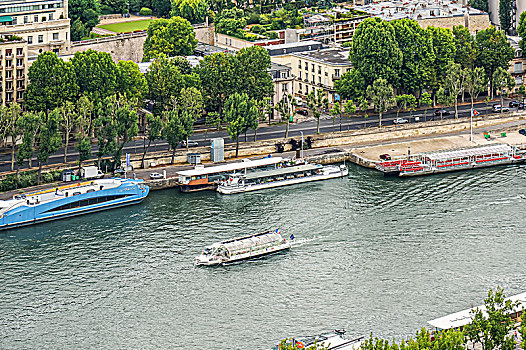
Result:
x=70 y=200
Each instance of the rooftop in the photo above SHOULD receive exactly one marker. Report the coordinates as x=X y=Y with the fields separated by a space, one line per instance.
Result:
x=203 y=49
x=418 y=9
x=333 y=56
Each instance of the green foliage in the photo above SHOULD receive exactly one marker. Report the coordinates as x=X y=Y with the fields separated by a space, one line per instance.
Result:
x=418 y=57
x=170 y=37
x=374 y=52
x=454 y=82
x=502 y=80
x=444 y=98
x=84 y=16
x=317 y=102
x=444 y=49
x=83 y=146
x=166 y=78
x=52 y=82
x=493 y=51
x=240 y=112
x=154 y=130
x=475 y=82
x=96 y=73
x=406 y=102
x=145 y=11
x=521 y=30
x=161 y=7
x=382 y=96
x=426 y=101
x=479 y=4
x=491 y=328
x=27 y=179
x=29 y=124
x=48 y=137
x=251 y=69
x=130 y=81
x=505 y=15
x=194 y=11
x=351 y=85
x=218 y=79
x=229 y=21
x=285 y=108
x=79 y=31
x=465 y=48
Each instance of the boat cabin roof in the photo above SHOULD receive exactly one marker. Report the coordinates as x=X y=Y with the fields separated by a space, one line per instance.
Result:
x=231 y=167
x=475 y=151
x=246 y=242
x=464 y=317
x=283 y=171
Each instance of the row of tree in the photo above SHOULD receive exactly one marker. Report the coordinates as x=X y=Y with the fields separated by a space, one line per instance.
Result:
x=412 y=59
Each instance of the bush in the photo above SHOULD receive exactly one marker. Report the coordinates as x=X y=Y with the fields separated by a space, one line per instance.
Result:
x=253 y=18
x=272 y=35
x=257 y=29
x=27 y=179
x=145 y=12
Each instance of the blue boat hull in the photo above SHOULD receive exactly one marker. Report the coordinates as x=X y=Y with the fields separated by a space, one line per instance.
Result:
x=128 y=193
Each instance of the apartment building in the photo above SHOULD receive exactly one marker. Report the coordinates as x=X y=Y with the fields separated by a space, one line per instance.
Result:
x=283 y=80
x=319 y=69
x=13 y=69
x=518 y=63
x=44 y=24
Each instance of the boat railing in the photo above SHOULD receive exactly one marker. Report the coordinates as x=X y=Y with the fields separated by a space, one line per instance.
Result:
x=343 y=345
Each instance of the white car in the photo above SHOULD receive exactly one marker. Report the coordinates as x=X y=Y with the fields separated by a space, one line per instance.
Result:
x=400 y=121
x=156 y=176
x=190 y=143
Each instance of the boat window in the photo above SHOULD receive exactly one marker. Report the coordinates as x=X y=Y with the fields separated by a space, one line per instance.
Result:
x=76 y=193
x=90 y=190
x=86 y=202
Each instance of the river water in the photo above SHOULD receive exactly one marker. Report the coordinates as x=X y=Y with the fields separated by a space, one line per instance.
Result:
x=376 y=255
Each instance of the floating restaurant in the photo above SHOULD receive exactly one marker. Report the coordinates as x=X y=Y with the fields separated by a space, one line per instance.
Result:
x=452 y=160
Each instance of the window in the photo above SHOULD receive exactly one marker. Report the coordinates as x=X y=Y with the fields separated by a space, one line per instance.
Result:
x=55 y=36
x=307 y=76
x=19 y=62
x=85 y=202
x=8 y=53
x=306 y=89
x=19 y=73
x=43 y=19
x=56 y=51
x=284 y=87
x=299 y=64
x=284 y=74
x=40 y=38
x=8 y=85
x=20 y=95
x=35 y=18
x=299 y=86
x=319 y=80
x=19 y=52
x=312 y=67
x=9 y=96
x=300 y=75
x=50 y=16
x=518 y=67
x=306 y=65
x=8 y=74
x=8 y=63
x=29 y=39
x=14 y=20
x=336 y=72
x=26 y=18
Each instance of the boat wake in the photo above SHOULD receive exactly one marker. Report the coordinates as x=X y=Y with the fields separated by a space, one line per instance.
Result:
x=297 y=242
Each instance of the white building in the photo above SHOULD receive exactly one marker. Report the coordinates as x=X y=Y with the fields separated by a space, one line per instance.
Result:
x=517 y=7
x=44 y=24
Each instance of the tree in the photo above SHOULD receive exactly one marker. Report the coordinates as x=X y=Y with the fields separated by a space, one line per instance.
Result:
x=240 y=110
x=178 y=127
x=375 y=53
x=491 y=328
x=521 y=30
x=444 y=98
x=426 y=101
x=11 y=115
x=96 y=73
x=505 y=15
x=405 y=102
x=444 y=49
x=479 y=4
x=166 y=78
x=522 y=331
x=85 y=109
x=317 y=101
x=465 y=48
x=52 y=82
x=285 y=109
x=217 y=74
x=493 y=51
x=194 y=11
x=382 y=95
x=264 y=109
x=126 y=120
x=229 y=21
x=48 y=137
x=153 y=132
x=502 y=80
x=454 y=82
x=171 y=37
x=130 y=81
x=28 y=123
x=475 y=82
x=522 y=92
x=191 y=103
x=335 y=112
x=161 y=7
x=351 y=85
x=69 y=120
x=418 y=57
x=83 y=146
x=84 y=15
x=251 y=70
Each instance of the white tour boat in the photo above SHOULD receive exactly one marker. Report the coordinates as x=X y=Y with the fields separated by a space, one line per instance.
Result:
x=332 y=341
x=288 y=175
x=242 y=248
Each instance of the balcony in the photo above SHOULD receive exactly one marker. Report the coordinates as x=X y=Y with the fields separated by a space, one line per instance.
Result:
x=9 y=89
x=21 y=88
x=20 y=99
x=20 y=77
x=8 y=57
x=20 y=55
x=8 y=78
x=8 y=67
x=20 y=66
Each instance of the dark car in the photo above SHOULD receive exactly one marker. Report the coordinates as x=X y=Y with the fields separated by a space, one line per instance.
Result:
x=522 y=132
x=514 y=104
x=385 y=156
x=303 y=112
x=442 y=111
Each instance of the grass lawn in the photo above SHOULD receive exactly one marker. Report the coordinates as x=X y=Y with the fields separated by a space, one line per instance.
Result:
x=127 y=26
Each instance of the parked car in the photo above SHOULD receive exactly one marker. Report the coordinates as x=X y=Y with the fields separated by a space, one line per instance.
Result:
x=156 y=176
x=520 y=106
x=442 y=111
x=119 y=172
x=190 y=143
x=303 y=112
x=522 y=132
x=498 y=107
x=514 y=104
x=400 y=121
x=385 y=156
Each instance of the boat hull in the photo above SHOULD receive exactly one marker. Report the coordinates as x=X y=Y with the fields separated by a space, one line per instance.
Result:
x=244 y=257
x=466 y=167
x=286 y=182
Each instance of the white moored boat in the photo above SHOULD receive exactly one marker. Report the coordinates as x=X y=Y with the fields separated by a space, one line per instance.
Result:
x=331 y=341
x=242 y=248
x=290 y=175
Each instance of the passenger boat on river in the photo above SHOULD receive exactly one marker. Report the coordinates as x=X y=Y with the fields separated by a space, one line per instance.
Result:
x=452 y=160
x=242 y=248
x=70 y=200
x=331 y=341
x=288 y=175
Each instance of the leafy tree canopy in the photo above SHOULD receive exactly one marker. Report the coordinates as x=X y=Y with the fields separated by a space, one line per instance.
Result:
x=493 y=50
x=194 y=11
x=171 y=37
x=130 y=81
x=96 y=73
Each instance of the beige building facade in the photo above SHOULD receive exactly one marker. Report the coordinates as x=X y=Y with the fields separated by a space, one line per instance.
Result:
x=43 y=24
x=13 y=69
x=319 y=69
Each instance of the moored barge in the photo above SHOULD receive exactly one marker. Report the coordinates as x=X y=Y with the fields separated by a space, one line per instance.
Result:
x=452 y=160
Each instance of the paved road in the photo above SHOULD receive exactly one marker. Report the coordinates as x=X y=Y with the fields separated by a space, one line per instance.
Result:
x=269 y=132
